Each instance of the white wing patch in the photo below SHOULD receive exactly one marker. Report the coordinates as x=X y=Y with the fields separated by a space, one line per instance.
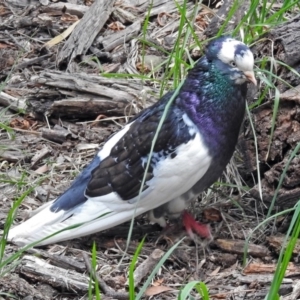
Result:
x=174 y=176
x=192 y=128
x=105 y=151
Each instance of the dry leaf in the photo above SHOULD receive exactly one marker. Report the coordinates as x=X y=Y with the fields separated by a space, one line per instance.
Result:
x=42 y=169
x=158 y=282
x=163 y=18
x=212 y=214
x=3 y=10
x=202 y=19
x=292 y=94
x=155 y=290
x=215 y=272
x=45 y=17
x=20 y=124
x=4 y=46
x=69 y=18
x=141 y=68
x=99 y=117
x=88 y=2
x=116 y=26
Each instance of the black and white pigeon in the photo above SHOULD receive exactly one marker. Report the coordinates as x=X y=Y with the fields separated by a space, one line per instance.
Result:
x=194 y=145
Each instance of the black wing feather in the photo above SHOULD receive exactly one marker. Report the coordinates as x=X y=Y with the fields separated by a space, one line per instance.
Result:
x=123 y=169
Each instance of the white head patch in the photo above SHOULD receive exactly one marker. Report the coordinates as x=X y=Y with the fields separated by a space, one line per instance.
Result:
x=243 y=59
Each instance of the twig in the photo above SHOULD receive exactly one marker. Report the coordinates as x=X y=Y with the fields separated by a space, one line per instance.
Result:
x=13 y=103
x=15 y=41
x=32 y=61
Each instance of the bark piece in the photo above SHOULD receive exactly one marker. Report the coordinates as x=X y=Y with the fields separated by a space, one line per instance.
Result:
x=38 y=269
x=13 y=103
x=261 y=279
x=292 y=94
x=55 y=135
x=39 y=155
x=224 y=259
x=292 y=177
x=60 y=260
x=123 y=15
x=285 y=198
x=274 y=158
x=14 y=153
x=276 y=242
x=17 y=286
x=112 y=41
x=32 y=61
x=85 y=32
x=259 y=268
x=63 y=7
x=115 y=57
x=82 y=96
x=238 y=247
x=72 y=82
x=159 y=6
x=282 y=42
x=83 y=108
x=288 y=37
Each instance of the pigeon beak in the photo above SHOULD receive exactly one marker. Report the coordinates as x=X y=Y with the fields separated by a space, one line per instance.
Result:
x=250 y=76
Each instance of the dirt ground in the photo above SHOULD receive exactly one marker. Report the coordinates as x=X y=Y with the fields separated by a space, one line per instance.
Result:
x=61 y=110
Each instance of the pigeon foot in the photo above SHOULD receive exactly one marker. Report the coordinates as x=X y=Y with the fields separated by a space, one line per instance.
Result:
x=192 y=226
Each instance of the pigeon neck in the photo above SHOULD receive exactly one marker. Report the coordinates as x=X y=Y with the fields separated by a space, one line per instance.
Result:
x=216 y=107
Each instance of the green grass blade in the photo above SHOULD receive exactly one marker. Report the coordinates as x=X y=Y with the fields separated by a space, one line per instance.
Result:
x=285 y=254
x=277 y=17
x=94 y=266
x=199 y=286
x=230 y=14
x=10 y=296
x=131 y=269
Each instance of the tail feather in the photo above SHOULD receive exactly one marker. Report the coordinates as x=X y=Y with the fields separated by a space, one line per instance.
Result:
x=94 y=218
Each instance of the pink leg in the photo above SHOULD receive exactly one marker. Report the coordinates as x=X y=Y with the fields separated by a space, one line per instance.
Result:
x=191 y=226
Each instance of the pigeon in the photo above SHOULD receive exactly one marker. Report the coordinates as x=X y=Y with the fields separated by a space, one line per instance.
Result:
x=129 y=176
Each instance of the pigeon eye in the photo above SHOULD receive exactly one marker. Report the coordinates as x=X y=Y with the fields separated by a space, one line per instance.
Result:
x=233 y=64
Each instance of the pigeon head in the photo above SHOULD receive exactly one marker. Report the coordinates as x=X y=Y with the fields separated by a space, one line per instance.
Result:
x=233 y=57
